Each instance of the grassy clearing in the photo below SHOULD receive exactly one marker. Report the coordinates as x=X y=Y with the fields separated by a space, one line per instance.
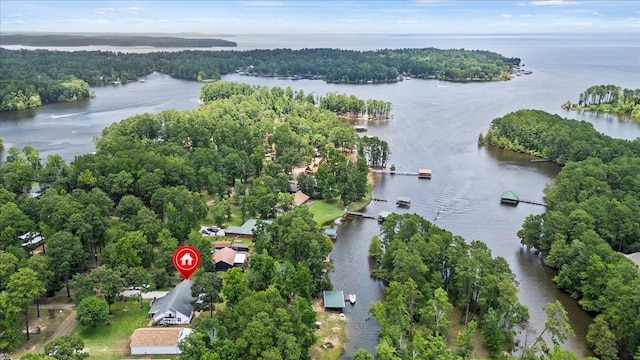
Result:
x=331 y=330
x=111 y=341
x=40 y=329
x=325 y=211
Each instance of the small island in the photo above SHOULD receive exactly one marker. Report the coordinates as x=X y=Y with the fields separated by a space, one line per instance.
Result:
x=112 y=40
x=609 y=99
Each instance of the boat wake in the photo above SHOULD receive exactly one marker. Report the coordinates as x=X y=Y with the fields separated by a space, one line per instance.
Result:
x=64 y=115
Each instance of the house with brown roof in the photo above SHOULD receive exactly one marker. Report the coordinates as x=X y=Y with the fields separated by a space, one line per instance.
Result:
x=224 y=258
x=300 y=198
x=157 y=340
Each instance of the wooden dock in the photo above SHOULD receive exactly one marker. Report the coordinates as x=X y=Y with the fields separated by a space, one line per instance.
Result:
x=394 y=172
x=532 y=202
x=360 y=214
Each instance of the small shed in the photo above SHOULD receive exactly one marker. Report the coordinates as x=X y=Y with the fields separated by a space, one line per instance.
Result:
x=510 y=197
x=221 y=244
x=240 y=247
x=333 y=299
x=403 y=201
x=424 y=173
x=240 y=260
x=383 y=215
x=331 y=233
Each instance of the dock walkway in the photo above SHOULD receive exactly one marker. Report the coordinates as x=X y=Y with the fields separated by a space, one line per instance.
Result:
x=360 y=214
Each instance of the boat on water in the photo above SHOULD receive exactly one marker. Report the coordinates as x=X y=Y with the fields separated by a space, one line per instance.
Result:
x=352 y=298
x=360 y=128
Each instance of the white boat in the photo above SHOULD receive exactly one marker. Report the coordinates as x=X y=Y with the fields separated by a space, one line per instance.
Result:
x=352 y=298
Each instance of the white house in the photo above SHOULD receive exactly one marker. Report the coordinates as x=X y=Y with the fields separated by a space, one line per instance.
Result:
x=31 y=239
x=157 y=340
x=174 y=308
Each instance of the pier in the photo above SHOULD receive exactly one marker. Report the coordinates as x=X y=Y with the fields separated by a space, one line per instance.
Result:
x=360 y=214
x=421 y=173
x=511 y=197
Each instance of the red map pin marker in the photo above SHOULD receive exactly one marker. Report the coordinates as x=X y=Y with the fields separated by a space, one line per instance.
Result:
x=186 y=260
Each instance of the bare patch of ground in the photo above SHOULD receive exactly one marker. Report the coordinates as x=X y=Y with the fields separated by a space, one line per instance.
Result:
x=329 y=331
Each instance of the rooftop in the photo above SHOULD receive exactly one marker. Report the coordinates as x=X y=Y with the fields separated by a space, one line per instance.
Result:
x=246 y=228
x=510 y=195
x=226 y=255
x=334 y=299
x=300 y=198
x=179 y=299
x=158 y=336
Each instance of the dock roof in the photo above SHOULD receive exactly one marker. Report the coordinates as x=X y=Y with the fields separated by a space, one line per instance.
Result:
x=510 y=195
x=334 y=299
x=404 y=199
x=330 y=232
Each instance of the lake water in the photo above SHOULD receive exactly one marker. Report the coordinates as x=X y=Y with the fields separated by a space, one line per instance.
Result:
x=435 y=125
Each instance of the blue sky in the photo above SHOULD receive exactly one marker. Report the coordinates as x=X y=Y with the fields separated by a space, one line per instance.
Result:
x=321 y=17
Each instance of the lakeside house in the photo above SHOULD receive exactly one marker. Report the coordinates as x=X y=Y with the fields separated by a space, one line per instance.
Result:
x=157 y=341
x=175 y=308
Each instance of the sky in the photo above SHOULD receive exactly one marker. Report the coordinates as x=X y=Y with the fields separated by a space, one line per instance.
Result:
x=321 y=17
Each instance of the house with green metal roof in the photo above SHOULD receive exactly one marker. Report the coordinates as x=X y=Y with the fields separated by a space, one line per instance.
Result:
x=510 y=197
x=333 y=300
x=244 y=231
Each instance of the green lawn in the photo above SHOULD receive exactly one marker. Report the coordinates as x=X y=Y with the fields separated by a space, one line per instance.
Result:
x=325 y=211
x=112 y=341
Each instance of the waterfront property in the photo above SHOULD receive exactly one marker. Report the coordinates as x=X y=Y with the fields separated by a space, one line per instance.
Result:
x=175 y=308
x=424 y=173
x=157 y=341
x=403 y=201
x=300 y=198
x=333 y=300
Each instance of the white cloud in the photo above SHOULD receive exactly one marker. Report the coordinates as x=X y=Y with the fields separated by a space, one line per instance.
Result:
x=130 y=10
x=553 y=2
x=526 y=16
x=506 y=16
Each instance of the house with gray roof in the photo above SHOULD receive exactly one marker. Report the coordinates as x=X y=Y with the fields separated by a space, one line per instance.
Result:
x=174 y=308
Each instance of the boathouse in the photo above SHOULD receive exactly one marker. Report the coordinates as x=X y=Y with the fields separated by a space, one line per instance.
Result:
x=424 y=173
x=331 y=233
x=403 y=201
x=333 y=300
x=510 y=197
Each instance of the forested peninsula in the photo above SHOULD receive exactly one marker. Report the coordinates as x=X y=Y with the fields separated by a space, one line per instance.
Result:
x=591 y=222
x=112 y=40
x=608 y=99
x=28 y=75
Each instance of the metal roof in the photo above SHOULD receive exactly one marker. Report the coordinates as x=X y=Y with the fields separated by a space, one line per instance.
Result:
x=330 y=232
x=334 y=299
x=404 y=199
x=510 y=195
x=246 y=228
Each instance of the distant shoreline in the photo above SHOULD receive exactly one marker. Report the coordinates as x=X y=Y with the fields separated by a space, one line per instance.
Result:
x=113 y=40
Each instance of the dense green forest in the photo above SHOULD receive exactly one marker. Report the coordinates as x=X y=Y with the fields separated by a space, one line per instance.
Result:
x=32 y=71
x=156 y=173
x=111 y=40
x=592 y=219
x=608 y=98
x=429 y=270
